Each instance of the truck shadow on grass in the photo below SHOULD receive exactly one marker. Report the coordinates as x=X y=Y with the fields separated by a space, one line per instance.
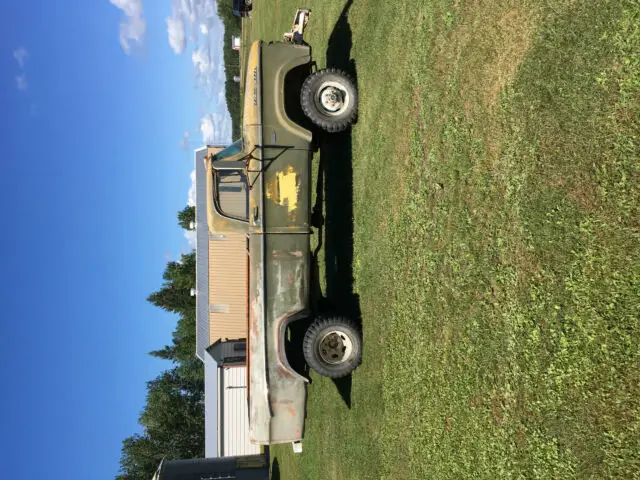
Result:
x=332 y=215
x=337 y=172
x=275 y=470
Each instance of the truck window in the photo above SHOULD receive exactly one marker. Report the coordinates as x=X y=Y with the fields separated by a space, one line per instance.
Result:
x=230 y=151
x=232 y=193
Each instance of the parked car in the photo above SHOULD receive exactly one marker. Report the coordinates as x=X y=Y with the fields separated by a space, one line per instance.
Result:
x=242 y=8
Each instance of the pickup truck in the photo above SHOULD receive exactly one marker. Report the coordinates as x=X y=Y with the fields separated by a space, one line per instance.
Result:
x=271 y=166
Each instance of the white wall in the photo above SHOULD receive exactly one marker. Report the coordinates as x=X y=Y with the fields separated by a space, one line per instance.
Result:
x=234 y=429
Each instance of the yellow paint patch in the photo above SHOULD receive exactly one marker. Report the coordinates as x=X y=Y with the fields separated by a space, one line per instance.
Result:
x=284 y=189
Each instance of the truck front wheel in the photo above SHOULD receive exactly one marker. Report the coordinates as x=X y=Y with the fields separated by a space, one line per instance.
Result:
x=330 y=99
x=333 y=346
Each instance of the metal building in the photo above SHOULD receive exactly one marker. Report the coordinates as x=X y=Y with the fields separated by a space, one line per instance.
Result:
x=221 y=266
x=221 y=318
x=235 y=42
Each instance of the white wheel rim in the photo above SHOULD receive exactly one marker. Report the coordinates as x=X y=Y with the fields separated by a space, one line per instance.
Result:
x=333 y=98
x=335 y=347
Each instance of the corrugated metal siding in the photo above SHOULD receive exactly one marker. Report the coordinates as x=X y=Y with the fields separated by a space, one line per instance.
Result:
x=228 y=287
x=235 y=414
x=203 y=333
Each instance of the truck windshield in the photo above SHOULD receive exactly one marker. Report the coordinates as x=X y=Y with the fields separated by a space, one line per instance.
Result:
x=232 y=193
x=230 y=151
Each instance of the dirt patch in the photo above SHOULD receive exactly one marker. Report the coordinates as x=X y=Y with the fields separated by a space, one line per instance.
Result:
x=443 y=334
x=448 y=424
x=480 y=57
x=496 y=411
x=512 y=40
x=579 y=187
x=521 y=439
x=584 y=192
x=486 y=50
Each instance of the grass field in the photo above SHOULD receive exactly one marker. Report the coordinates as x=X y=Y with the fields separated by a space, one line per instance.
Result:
x=483 y=219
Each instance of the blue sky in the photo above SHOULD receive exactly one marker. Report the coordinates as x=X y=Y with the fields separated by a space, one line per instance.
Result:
x=96 y=99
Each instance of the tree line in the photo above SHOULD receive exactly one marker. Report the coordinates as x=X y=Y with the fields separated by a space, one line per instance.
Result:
x=232 y=26
x=172 y=419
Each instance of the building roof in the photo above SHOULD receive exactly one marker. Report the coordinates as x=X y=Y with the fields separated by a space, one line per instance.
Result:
x=202 y=256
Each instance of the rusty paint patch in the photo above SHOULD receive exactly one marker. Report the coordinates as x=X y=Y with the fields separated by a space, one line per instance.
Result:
x=291 y=411
x=283 y=372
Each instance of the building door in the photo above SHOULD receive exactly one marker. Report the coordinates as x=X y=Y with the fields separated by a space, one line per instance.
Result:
x=235 y=429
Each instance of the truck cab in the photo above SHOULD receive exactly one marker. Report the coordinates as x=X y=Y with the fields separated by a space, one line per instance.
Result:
x=260 y=185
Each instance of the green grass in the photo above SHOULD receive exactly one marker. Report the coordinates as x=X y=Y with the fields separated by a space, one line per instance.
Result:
x=496 y=241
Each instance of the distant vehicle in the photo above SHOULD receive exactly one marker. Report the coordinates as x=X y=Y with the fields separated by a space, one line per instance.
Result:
x=235 y=42
x=242 y=8
x=271 y=167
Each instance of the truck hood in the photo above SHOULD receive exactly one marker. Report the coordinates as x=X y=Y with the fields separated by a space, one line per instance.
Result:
x=251 y=115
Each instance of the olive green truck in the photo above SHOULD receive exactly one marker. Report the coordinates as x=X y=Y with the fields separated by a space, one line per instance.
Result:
x=271 y=165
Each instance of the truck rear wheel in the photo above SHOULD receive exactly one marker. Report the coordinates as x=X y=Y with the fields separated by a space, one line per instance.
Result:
x=330 y=99
x=333 y=346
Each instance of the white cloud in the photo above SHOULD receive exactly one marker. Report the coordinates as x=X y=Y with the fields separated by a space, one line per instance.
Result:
x=208 y=129
x=133 y=28
x=184 y=143
x=191 y=197
x=216 y=129
x=190 y=235
x=201 y=59
x=21 y=82
x=177 y=33
x=196 y=17
x=21 y=55
x=189 y=9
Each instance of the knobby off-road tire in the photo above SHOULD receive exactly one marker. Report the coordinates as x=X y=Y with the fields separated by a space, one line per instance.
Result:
x=329 y=98
x=333 y=346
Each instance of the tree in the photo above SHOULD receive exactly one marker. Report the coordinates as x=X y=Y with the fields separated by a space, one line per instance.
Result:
x=165 y=353
x=173 y=423
x=172 y=419
x=179 y=279
x=186 y=217
x=139 y=459
x=174 y=415
x=172 y=299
